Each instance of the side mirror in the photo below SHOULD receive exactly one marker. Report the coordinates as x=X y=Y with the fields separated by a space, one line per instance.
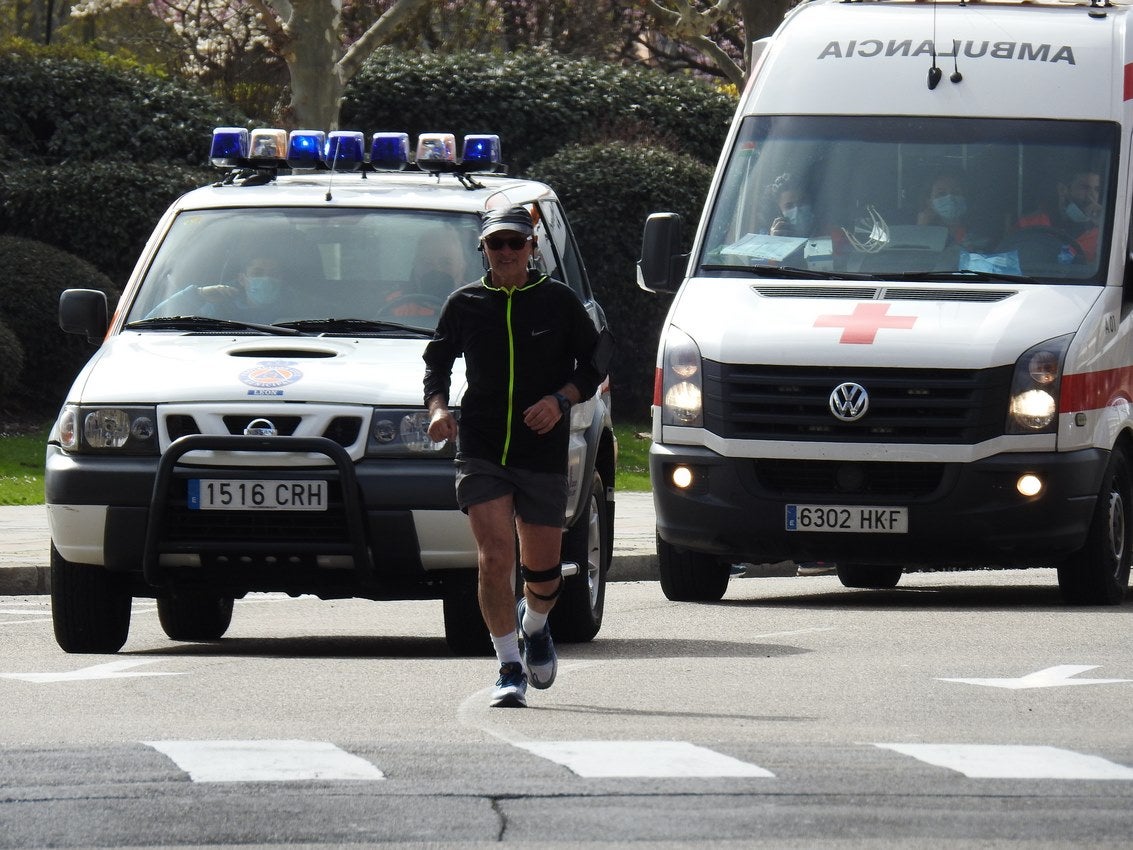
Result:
x=83 y=311
x=662 y=265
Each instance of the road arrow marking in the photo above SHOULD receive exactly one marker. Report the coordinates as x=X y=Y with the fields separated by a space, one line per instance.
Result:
x=1051 y=677
x=110 y=670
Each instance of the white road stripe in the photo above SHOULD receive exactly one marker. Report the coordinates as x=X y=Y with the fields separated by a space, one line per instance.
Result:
x=265 y=761
x=985 y=761
x=674 y=759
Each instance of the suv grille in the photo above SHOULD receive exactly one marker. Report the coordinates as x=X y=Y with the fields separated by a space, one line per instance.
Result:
x=957 y=406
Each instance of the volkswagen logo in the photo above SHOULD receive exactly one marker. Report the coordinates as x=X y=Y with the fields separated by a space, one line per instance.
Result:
x=849 y=402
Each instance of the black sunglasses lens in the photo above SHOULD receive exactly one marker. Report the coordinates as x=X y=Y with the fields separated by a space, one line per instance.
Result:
x=497 y=242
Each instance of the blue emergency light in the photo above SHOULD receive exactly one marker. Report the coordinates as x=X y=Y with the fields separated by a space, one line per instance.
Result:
x=345 y=150
x=306 y=148
x=481 y=152
x=389 y=151
x=229 y=146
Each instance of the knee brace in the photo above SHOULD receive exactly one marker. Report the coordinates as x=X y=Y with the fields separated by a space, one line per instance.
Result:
x=537 y=576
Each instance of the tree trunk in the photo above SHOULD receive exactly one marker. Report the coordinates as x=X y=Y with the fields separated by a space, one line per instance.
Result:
x=312 y=53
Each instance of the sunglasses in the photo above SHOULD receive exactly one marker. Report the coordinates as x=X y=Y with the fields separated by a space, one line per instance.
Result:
x=516 y=243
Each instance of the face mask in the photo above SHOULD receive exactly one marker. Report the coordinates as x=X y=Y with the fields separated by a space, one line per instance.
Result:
x=1075 y=214
x=263 y=290
x=801 y=217
x=950 y=207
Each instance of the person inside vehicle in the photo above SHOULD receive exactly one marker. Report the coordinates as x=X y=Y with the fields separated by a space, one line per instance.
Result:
x=946 y=205
x=792 y=212
x=259 y=288
x=1075 y=210
x=529 y=350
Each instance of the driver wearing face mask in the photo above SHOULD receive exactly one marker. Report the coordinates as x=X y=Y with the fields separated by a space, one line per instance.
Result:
x=794 y=215
x=946 y=205
x=259 y=286
x=1077 y=213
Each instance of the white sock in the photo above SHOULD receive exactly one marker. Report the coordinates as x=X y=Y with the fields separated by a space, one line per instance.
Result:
x=533 y=621
x=507 y=648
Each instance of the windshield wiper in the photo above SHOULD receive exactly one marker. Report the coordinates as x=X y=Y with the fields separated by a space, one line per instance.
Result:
x=196 y=323
x=787 y=272
x=962 y=274
x=349 y=326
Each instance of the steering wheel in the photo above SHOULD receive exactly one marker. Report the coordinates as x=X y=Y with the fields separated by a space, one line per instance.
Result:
x=1042 y=246
x=431 y=303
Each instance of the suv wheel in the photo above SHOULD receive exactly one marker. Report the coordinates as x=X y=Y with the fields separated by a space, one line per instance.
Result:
x=90 y=607
x=577 y=616
x=195 y=615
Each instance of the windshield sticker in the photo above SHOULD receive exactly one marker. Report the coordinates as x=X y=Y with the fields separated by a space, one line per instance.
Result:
x=268 y=376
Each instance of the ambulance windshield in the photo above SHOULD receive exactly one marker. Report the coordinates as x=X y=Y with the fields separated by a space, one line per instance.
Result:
x=910 y=197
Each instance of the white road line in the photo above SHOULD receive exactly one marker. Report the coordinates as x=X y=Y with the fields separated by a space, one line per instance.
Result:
x=651 y=759
x=987 y=761
x=265 y=761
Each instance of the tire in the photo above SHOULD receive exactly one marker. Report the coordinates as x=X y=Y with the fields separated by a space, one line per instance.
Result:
x=577 y=616
x=195 y=615
x=90 y=607
x=1099 y=573
x=465 y=631
x=688 y=576
x=873 y=576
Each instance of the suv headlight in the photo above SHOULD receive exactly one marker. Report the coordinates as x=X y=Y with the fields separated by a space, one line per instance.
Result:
x=108 y=429
x=403 y=432
x=681 y=381
x=1035 y=386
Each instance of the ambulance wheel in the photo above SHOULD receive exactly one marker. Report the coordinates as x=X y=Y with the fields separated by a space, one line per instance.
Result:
x=1099 y=573
x=194 y=615
x=688 y=576
x=577 y=616
x=465 y=631
x=90 y=607
x=874 y=576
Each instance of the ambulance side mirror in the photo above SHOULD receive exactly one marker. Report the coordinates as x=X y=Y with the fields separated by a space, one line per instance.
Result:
x=662 y=265
x=83 y=311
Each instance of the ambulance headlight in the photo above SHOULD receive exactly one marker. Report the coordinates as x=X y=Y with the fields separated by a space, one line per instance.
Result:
x=1035 y=387
x=403 y=432
x=128 y=430
x=681 y=381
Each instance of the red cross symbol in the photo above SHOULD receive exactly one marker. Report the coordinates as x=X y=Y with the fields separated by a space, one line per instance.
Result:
x=861 y=326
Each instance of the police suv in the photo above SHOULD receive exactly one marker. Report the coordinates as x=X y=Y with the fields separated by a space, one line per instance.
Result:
x=253 y=419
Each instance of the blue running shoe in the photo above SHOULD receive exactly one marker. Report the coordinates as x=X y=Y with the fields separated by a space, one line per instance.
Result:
x=511 y=688
x=538 y=652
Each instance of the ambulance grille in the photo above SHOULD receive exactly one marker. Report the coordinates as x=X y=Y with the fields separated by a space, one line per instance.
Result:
x=932 y=406
x=814 y=477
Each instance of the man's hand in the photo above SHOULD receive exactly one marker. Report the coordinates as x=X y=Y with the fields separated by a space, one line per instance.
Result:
x=442 y=425
x=543 y=415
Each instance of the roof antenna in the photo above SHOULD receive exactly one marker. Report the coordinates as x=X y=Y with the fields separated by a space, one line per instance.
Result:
x=956 y=75
x=934 y=73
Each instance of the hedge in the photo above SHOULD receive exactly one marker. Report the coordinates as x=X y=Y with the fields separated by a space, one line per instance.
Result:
x=536 y=103
x=608 y=191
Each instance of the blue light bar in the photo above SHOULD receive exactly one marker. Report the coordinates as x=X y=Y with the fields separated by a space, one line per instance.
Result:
x=229 y=146
x=481 y=152
x=389 y=151
x=344 y=150
x=305 y=148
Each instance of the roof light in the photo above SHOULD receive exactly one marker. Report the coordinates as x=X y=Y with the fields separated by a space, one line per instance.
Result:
x=389 y=151
x=481 y=153
x=305 y=148
x=344 y=150
x=436 y=151
x=268 y=143
x=229 y=146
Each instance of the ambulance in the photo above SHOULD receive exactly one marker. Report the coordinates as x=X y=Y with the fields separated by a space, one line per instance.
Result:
x=902 y=339
x=252 y=420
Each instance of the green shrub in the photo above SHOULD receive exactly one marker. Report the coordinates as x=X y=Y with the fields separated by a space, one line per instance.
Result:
x=608 y=191
x=100 y=211
x=536 y=103
x=12 y=356
x=34 y=276
x=55 y=107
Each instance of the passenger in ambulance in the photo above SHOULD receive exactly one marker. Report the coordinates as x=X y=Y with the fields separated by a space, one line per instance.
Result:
x=791 y=209
x=1074 y=210
x=946 y=205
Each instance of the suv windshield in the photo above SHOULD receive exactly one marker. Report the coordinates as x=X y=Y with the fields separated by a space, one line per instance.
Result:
x=900 y=197
x=370 y=269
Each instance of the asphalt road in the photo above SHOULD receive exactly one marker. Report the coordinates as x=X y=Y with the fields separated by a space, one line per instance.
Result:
x=967 y=710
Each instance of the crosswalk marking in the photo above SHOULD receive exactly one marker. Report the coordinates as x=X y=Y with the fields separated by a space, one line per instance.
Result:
x=265 y=761
x=595 y=759
x=985 y=761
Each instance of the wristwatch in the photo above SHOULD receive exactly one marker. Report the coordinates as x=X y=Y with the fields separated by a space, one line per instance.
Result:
x=564 y=403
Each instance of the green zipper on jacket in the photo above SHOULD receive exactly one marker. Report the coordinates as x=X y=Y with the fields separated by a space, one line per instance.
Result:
x=510 y=359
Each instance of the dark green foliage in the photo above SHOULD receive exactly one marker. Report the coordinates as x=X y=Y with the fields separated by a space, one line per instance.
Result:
x=34 y=275
x=536 y=103
x=100 y=211
x=63 y=108
x=11 y=360
x=608 y=191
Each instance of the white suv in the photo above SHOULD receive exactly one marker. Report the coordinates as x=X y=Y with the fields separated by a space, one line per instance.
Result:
x=220 y=443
